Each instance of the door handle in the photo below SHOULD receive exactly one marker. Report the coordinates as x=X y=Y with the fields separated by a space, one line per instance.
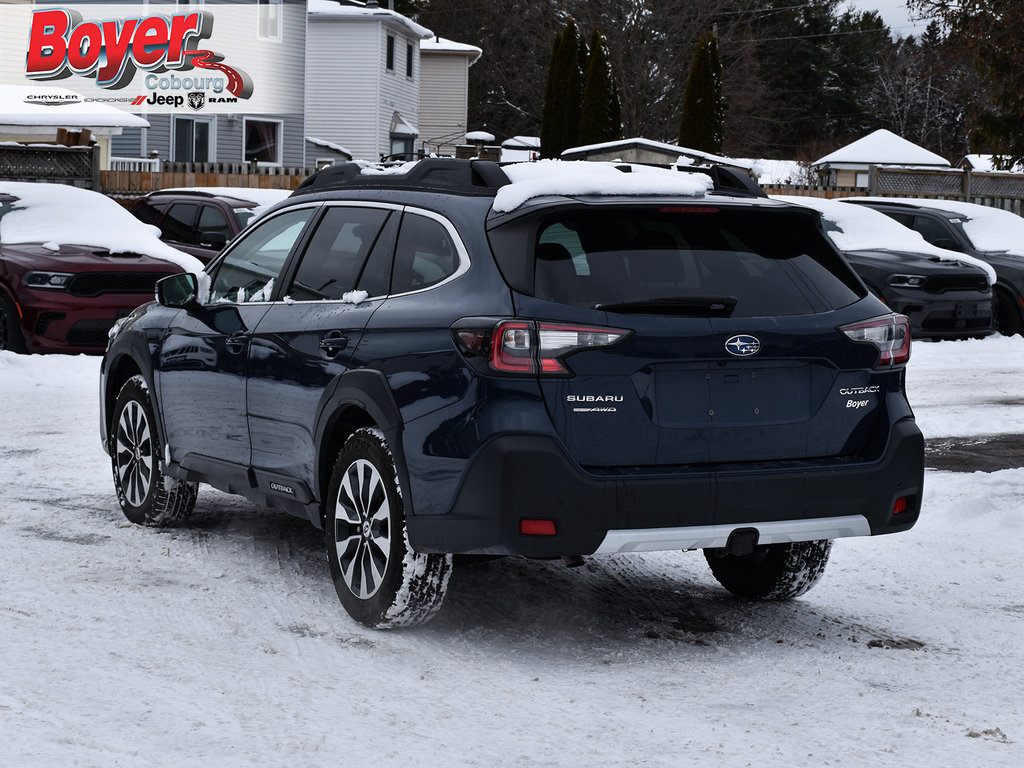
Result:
x=333 y=343
x=236 y=343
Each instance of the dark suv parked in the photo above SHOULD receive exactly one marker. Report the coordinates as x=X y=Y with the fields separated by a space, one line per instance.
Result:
x=548 y=359
x=203 y=220
x=990 y=234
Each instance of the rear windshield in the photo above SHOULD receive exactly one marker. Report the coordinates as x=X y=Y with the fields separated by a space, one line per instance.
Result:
x=677 y=260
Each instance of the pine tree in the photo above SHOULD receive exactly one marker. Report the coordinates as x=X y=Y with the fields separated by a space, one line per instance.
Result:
x=703 y=121
x=601 y=114
x=563 y=95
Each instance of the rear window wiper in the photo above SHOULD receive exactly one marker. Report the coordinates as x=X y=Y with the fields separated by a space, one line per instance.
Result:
x=693 y=306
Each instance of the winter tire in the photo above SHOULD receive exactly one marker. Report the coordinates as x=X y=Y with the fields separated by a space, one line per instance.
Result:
x=381 y=582
x=772 y=571
x=11 y=337
x=146 y=495
x=1007 y=312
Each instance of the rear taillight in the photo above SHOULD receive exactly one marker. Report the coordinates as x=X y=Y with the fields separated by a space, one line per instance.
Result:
x=528 y=346
x=889 y=334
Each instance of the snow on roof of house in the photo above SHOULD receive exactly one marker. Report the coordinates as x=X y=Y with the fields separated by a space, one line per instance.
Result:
x=522 y=142
x=441 y=45
x=987 y=163
x=883 y=148
x=330 y=9
x=29 y=105
x=673 y=149
x=990 y=229
x=329 y=145
x=858 y=228
x=570 y=178
x=402 y=127
x=57 y=214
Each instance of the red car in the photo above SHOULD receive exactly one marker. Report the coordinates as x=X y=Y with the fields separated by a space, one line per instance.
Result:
x=71 y=263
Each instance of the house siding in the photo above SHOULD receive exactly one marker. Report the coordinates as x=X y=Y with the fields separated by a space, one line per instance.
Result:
x=398 y=93
x=346 y=62
x=444 y=101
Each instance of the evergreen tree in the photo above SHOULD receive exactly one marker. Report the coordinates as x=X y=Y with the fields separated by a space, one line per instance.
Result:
x=563 y=95
x=703 y=122
x=601 y=114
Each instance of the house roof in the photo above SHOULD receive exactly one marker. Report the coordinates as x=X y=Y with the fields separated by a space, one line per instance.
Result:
x=328 y=9
x=33 y=105
x=986 y=163
x=441 y=45
x=522 y=142
x=668 y=149
x=882 y=148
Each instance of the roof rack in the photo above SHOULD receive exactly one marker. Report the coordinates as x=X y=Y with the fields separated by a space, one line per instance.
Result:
x=436 y=174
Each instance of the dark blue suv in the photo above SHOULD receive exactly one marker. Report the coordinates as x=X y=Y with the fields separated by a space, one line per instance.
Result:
x=547 y=360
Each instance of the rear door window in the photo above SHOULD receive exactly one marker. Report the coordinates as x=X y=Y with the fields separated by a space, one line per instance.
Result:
x=179 y=224
x=752 y=262
x=337 y=253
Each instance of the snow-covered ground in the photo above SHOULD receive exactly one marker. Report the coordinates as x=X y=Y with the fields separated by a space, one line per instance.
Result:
x=221 y=643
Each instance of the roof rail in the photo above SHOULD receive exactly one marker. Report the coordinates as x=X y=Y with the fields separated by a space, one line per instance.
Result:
x=437 y=174
x=727 y=181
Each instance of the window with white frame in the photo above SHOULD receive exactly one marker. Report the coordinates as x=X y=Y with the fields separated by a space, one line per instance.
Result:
x=192 y=139
x=262 y=141
x=269 y=21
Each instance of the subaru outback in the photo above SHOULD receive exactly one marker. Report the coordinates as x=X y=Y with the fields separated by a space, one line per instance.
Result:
x=544 y=359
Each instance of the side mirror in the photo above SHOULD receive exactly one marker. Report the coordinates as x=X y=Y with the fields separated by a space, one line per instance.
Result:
x=178 y=291
x=213 y=240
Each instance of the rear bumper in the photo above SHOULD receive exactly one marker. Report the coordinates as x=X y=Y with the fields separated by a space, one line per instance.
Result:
x=529 y=477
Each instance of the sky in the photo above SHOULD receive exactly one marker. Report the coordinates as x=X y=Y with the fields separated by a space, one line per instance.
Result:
x=894 y=13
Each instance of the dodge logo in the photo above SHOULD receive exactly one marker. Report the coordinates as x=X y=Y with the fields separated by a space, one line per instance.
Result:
x=743 y=345
x=197 y=99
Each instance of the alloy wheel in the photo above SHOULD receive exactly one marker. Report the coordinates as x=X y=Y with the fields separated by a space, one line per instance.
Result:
x=362 y=529
x=134 y=453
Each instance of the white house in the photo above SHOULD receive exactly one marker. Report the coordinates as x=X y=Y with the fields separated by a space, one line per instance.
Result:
x=848 y=166
x=362 y=80
x=638 y=150
x=444 y=93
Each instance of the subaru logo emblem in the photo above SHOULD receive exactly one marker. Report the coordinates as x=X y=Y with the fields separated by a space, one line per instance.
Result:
x=743 y=345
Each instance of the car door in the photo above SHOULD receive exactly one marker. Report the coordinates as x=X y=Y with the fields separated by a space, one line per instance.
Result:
x=204 y=356
x=308 y=338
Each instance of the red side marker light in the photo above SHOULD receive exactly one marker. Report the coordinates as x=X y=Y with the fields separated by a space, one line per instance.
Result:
x=900 y=506
x=537 y=527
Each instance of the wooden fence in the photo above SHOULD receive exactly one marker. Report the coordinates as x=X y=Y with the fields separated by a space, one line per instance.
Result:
x=126 y=185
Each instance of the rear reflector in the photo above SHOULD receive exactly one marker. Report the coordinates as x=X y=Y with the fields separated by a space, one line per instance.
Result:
x=537 y=527
x=900 y=506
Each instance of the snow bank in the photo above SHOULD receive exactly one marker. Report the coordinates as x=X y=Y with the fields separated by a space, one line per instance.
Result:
x=856 y=228
x=571 y=178
x=56 y=213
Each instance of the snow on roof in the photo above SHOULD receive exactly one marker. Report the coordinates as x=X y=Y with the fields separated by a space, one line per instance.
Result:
x=987 y=163
x=673 y=149
x=570 y=178
x=72 y=113
x=989 y=229
x=64 y=215
x=776 y=171
x=883 y=148
x=402 y=127
x=330 y=9
x=329 y=145
x=441 y=45
x=856 y=228
x=484 y=136
x=522 y=142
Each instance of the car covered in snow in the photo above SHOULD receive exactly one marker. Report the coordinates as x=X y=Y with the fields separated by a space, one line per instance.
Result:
x=548 y=360
x=990 y=234
x=946 y=295
x=202 y=220
x=72 y=262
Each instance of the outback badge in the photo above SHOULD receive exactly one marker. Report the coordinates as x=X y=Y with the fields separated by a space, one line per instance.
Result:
x=743 y=345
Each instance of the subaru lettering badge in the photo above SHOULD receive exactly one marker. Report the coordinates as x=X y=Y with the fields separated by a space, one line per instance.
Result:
x=743 y=345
